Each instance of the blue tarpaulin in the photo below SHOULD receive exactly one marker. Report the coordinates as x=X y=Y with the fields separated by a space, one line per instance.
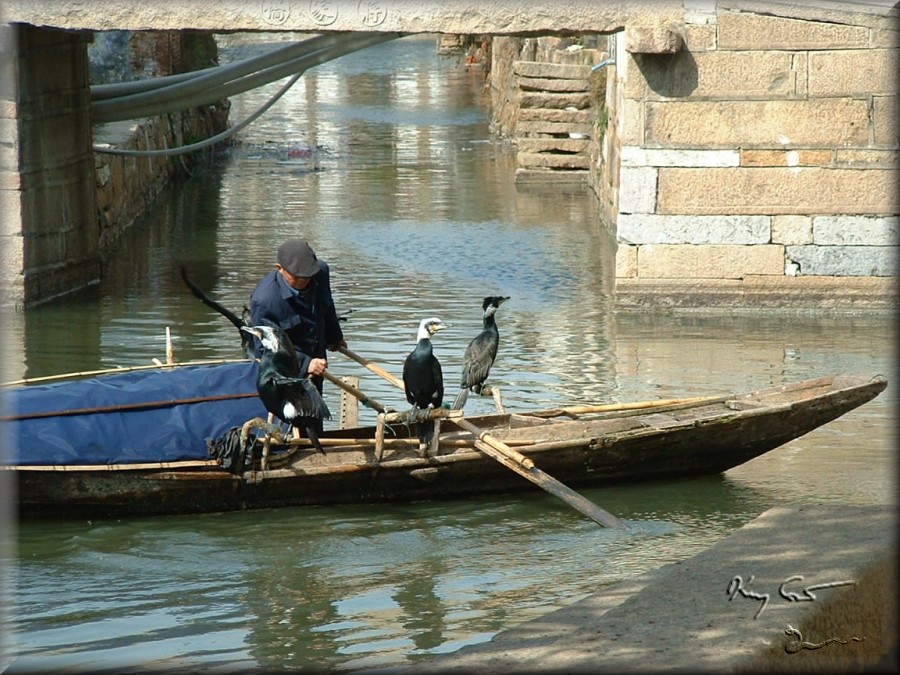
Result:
x=139 y=416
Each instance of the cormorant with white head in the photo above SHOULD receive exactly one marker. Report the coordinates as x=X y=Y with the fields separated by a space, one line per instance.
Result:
x=284 y=393
x=423 y=379
x=481 y=352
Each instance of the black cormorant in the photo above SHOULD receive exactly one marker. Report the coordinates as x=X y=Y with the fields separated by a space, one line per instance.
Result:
x=247 y=347
x=284 y=393
x=481 y=352
x=423 y=379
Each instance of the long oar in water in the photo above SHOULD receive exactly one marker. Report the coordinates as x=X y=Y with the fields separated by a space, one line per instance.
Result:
x=499 y=451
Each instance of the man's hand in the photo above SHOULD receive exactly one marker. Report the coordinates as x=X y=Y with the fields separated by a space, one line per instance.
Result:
x=335 y=346
x=317 y=367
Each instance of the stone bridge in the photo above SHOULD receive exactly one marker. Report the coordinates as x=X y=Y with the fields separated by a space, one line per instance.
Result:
x=749 y=151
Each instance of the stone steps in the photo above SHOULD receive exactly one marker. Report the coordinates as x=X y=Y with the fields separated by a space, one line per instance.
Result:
x=555 y=121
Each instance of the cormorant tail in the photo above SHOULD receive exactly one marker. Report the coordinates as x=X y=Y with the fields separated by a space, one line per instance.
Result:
x=426 y=432
x=311 y=434
x=461 y=399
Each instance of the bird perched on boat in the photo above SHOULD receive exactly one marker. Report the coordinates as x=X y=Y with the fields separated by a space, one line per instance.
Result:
x=247 y=347
x=481 y=352
x=284 y=393
x=423 y=379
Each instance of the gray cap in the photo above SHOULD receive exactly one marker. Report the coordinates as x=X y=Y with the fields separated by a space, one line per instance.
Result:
x=296 y=256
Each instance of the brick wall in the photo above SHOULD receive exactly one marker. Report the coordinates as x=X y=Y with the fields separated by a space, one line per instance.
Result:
x=749 y=144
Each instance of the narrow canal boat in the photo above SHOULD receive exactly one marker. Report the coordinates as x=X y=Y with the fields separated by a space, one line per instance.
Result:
x=192 y=439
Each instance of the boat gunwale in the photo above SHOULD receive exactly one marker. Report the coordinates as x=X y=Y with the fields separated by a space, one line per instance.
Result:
x=847 y=382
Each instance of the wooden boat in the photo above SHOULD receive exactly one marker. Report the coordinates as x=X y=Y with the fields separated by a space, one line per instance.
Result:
x=580 y=445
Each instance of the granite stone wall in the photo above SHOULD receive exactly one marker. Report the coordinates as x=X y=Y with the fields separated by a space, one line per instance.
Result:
x=755 y=144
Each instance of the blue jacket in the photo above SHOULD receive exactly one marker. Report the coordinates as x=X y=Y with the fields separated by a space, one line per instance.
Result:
x=308 y=317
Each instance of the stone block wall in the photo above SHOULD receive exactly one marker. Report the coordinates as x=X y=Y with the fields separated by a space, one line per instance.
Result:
x=126 y=186
x=745 y=143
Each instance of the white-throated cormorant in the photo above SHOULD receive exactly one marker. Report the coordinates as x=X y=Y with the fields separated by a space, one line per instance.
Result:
x=481 y=352
x=284 y=393
x=423 y=379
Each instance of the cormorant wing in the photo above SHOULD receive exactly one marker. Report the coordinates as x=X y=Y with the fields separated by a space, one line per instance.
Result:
x=438 y=396
x=407 y=378
x=303 y=395
x=478 y=359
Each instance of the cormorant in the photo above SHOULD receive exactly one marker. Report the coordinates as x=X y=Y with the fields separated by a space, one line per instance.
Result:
x=423 y=379
x=481 y=352
x=247 y=347
x=285 y=394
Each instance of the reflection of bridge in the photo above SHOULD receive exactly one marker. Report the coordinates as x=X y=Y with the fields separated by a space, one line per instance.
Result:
x=760 y=140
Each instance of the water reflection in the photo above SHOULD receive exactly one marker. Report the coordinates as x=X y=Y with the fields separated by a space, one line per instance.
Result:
x=343 y=588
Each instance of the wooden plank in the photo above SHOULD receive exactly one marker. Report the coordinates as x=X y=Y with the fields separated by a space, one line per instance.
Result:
x=349 y=405
x=188 y=463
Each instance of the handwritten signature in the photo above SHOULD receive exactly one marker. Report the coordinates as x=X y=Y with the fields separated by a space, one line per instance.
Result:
x=792 y=646
x=736 y=586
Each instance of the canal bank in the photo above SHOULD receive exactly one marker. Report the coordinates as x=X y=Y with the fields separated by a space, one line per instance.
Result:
x=803 y=588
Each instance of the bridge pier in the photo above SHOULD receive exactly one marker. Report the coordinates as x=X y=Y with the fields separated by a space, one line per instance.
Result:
x=49 y=236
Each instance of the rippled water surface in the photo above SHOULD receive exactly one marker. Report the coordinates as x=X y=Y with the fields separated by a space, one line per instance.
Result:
x=384 y=160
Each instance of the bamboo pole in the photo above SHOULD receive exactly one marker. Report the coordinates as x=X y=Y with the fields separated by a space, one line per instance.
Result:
x=576 y=410
x=401 y=442
x=379 y=439
x=109 y=371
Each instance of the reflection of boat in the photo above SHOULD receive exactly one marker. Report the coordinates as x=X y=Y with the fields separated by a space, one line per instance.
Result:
x=138 y=443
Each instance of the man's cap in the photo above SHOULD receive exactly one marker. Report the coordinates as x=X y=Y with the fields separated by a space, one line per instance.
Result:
x=296 y=256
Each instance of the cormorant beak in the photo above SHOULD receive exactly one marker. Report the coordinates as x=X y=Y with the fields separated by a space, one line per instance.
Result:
x=253 y=330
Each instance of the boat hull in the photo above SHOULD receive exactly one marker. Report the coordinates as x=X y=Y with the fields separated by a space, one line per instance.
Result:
x=594 y=450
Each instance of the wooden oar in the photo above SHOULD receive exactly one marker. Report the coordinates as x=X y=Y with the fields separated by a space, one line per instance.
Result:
x=374 y=367
x=498 y=450
x=513 y=460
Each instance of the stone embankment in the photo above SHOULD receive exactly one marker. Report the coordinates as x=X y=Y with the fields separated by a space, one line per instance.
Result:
x=555 y=121
x=126 y=186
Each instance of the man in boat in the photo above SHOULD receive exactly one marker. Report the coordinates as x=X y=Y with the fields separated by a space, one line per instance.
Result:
x=296 y=296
